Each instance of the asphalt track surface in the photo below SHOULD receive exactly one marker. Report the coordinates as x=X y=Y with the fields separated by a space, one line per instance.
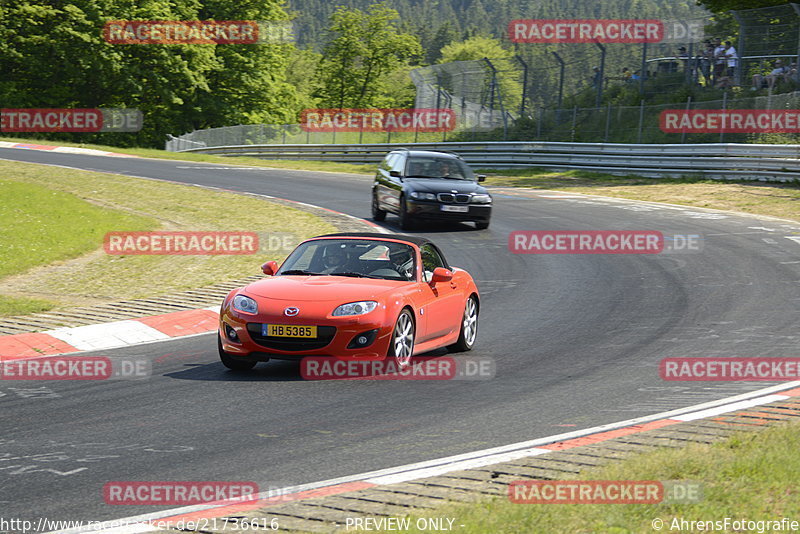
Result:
x=577 y=340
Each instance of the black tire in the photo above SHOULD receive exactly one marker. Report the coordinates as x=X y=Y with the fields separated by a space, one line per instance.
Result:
x=406 y=223
x=377 y=213
x=232 y=363
x=481 y=225
x=404 y=326
x=469 y=328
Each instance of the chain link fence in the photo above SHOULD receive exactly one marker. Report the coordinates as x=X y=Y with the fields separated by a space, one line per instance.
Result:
x=561 y=92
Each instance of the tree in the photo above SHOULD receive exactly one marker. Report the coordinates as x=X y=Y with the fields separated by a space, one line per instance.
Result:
x=362 y=49
x=723 y=6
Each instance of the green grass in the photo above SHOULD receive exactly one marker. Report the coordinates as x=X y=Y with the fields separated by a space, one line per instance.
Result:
x=56 y=219
x=23 y=306
x=751 y=476
x=41 y=226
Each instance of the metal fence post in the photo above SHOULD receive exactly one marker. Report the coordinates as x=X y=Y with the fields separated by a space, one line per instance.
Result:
x=524 y=84
x=724 y=108
x=601 y=81
x=688 y=105
x=574 y=120
x=641 y=121
x=539 y=120
x=608 y=123
x=643 y=69
x=739 y=46
x=561 y=65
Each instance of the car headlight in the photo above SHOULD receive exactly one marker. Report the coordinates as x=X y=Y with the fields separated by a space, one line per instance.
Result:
x=355 y=308
x=245 y=304
x=422 y=196
x=481 y=199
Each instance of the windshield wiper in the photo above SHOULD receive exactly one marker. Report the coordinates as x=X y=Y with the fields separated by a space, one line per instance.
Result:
x=357 y=275
x=301 y=271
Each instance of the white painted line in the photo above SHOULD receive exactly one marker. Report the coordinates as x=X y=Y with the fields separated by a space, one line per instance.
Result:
x=793 y=238
x=730 y=408
x=456 y=466
x=108 y=335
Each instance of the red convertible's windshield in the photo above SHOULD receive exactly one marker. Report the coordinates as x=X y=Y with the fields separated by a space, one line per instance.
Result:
x=359 y=258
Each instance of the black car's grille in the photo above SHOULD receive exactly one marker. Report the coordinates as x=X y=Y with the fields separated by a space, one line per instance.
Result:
x=297 y=344
x=449 y=198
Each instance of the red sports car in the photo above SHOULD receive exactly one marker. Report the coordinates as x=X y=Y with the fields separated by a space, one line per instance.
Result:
x=360 y=296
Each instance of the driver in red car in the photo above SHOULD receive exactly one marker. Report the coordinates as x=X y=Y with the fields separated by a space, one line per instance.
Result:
x=334 y=261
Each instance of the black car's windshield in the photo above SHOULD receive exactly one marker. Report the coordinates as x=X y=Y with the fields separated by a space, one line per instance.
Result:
x=438 y=167
x=354 y=258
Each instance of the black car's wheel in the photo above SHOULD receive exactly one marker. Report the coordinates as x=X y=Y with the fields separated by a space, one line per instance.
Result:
x=481 y=225
x=406 y=223
x=469 y=327
x=232 y=363
x=402 y=344
x=377 y=213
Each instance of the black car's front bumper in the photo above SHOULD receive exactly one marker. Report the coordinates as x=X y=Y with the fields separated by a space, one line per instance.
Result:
x=431 y=209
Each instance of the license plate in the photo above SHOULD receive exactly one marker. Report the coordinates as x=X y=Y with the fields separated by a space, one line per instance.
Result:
x=288 y=330
x=457 y=209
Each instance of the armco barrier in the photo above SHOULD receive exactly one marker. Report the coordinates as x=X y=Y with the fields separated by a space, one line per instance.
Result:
x=722 y=161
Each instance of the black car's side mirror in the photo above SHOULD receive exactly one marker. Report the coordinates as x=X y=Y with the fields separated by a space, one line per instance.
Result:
x=481 y=177
x=394 y=174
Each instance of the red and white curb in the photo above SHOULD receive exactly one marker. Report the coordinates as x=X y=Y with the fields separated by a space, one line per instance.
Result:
x=145 y=523
x=65 y=149
x=109 y=335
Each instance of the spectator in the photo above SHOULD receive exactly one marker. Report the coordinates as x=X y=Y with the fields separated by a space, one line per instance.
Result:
x=733 y=59
x=635 y=76
x=779 y=71
x=682 y=53
x=719 y=58
x=596 y=77
x=704 y=59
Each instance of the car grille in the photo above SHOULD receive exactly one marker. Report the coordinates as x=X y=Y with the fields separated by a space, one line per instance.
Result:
x=460 y=198
x=296 y=344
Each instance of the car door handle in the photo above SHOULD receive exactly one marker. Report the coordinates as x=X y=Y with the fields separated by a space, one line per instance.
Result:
x=453 y=285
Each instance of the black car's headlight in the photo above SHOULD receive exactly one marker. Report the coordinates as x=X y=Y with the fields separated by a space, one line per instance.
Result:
x=481 y=199
x=422 y=196
x=245 y=304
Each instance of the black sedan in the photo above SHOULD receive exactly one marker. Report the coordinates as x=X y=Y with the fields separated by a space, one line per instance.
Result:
x=421 y=184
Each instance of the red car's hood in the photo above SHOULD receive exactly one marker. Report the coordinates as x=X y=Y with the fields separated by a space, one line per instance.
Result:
x=321 y=288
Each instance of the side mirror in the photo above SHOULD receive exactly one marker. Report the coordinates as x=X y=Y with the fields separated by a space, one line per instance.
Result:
x=440 y=274
x=481 y=177
x=394 y=174
x=270 y=268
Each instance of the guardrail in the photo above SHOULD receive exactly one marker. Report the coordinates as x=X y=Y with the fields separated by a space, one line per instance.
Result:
x=723 y=161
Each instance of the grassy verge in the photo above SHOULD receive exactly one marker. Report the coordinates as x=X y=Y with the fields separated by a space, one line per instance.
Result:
x=774 y=199
x=751 y=476
x=67 y=264
x=325 y=166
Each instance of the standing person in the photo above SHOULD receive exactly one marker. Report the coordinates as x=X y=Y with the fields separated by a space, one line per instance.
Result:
x=719 y=58
x=596 y=77
x=733 y=59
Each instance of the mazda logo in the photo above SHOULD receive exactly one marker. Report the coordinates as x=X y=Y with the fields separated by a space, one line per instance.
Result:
x=291 y=312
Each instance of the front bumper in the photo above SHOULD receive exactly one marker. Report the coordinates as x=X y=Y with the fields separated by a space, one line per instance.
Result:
x=431 y=209
x=334 y=336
